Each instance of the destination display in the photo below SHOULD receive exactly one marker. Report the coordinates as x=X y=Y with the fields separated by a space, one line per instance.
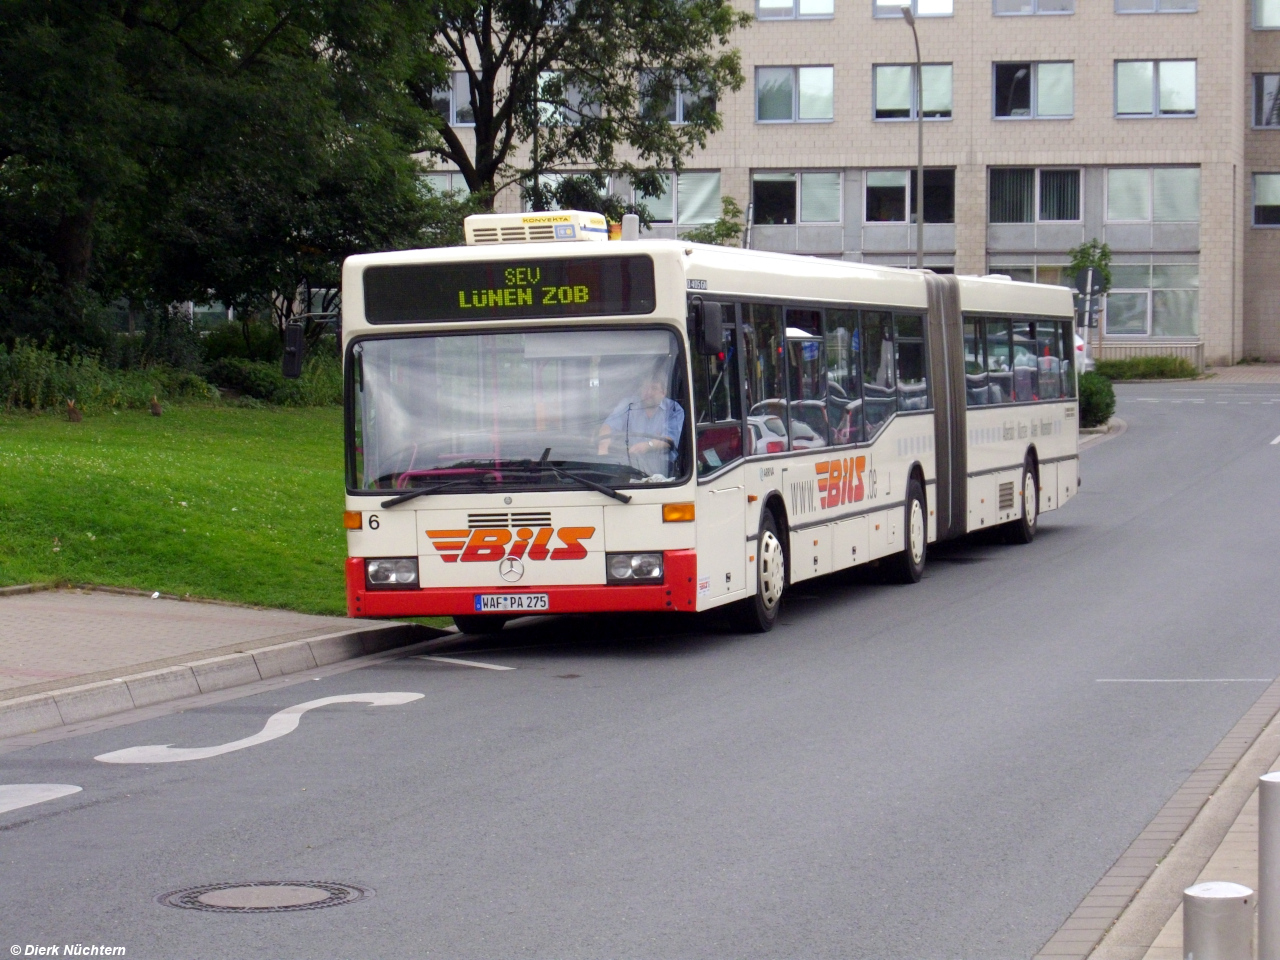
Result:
x=509 y=289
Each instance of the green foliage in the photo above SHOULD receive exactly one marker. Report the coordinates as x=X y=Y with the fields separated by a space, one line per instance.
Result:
x=33 y=378
x=584 y=83
x=244 y=341
x=220 y=502
x=1147 y=368
x=1097 y=399
x=319 y=385
x=585 y=191
x=726 y=231
x=1091 y=254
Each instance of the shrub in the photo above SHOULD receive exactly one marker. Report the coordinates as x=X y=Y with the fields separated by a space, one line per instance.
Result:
x=320 y=383
x=32 y=378
x=1147 y=368
x=1097 y=399
x=228 y=340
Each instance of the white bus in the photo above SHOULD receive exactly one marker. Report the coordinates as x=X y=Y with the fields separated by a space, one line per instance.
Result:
x=536 y=424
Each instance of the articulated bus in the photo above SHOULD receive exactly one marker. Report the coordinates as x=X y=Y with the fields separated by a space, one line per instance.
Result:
x=545 y=421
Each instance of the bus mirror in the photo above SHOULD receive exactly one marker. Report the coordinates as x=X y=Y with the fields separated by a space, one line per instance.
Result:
x=294 y=347
x=708 y=326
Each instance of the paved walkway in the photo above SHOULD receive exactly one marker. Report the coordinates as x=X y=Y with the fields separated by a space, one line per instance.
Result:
x=1246 y=373
x=53 y=636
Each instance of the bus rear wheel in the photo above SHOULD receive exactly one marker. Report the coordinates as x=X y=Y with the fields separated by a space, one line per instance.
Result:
x=908 y=566
x=480 y=624
x=758 y=614
x=1023 y=530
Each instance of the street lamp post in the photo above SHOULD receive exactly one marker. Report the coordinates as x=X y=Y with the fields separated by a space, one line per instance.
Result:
x=911 y=22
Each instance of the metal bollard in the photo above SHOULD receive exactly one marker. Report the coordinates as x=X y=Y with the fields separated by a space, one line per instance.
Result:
x=1217 y=921
x=1269 y=867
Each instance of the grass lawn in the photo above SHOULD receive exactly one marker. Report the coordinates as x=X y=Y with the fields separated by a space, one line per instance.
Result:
x=217 y=502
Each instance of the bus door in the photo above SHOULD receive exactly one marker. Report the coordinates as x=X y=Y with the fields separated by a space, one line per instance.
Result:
x=721 y=498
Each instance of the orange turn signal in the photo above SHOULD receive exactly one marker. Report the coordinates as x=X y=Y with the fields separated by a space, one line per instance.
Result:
x=677 y=513
x=352 y=519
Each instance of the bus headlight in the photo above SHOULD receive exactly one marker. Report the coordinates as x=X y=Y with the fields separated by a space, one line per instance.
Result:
x=393 y=572
x=634 y=567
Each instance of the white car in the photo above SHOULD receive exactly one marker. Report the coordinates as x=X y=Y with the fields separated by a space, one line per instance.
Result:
x=1083 y=363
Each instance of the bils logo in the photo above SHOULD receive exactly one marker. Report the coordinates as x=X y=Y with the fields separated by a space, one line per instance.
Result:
x=840 y=481
x=481 y=546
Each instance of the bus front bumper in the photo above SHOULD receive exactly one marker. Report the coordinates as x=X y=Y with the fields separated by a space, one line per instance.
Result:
x=677 y=592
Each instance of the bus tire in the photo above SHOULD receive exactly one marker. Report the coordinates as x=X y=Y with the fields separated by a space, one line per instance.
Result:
x=1023 y=530
x=479 y=624
x=758 y=614
x=908 y=566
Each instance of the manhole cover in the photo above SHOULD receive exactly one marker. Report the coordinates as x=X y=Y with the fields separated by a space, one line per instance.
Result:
x=266 y=896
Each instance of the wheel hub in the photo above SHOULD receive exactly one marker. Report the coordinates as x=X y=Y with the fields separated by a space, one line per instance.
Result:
x=771 y=573
x=916 y=534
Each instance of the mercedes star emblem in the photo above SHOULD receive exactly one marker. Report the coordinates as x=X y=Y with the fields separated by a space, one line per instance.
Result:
x=510 y=569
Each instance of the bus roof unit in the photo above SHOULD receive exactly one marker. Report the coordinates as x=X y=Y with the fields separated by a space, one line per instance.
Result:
x=496 y=228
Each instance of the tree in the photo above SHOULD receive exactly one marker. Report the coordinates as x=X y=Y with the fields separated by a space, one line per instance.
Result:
x=726 y=231
x=1094 y=254
x=582 y=83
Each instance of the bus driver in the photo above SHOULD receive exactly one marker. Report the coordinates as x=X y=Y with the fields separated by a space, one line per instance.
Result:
x=650 y=427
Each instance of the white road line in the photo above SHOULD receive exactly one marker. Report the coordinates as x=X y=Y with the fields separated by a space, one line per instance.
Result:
x=1192 y=680
x=15 y=796
x=1275 y=441
x=465 y=663
x=278 y=725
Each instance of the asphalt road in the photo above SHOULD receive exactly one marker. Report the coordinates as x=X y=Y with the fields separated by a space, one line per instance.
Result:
x=932 y=771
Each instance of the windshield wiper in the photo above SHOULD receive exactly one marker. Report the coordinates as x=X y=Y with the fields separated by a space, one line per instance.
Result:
x=544 y=464
x=423 y=491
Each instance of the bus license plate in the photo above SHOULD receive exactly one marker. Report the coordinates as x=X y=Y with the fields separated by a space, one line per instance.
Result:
x=509 y=602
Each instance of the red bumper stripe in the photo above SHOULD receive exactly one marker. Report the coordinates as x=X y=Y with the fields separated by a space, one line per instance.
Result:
x=678 y=592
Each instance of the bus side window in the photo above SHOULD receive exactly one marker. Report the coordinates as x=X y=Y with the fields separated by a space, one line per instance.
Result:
x=1025 y=372
x=844 y=365
x=807 y=379
x=879 y=389
x=1049 y=359
x=913 y=383
x=762 y=347
x=1067 y=341
x=999 y=360
x=975 y=365
x=717 y=402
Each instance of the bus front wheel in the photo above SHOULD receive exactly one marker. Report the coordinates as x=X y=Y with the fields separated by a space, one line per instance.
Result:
x=758 y=614
x=908 y=566
x=479 y=624
x=1023 y=530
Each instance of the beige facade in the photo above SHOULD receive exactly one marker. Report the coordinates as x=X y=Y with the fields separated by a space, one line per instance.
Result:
x=1227 y=306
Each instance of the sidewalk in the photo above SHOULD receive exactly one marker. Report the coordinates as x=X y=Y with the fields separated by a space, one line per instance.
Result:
x=1246 y=373
x=72 y=655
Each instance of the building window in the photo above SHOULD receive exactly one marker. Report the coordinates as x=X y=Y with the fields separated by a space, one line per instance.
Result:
x=891 y=196
x=1266 y=14
x=695 y=199
x=920 y=8
x=793 y=9
x=1266 y=103
x=1034 y=89
x=1157 y=6
x=453 y=103
x=1158 y=301
x=790 y=94
x=1028 y=195
x=1007 y=8
x=895 y=91
x=1266 y=199
x=679 y=106
x=1050 y=274
x=1162 y=194
x=444 y=182
x=1155 y=88
x=805 y=197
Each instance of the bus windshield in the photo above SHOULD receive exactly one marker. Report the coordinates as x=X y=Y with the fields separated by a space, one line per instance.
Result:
x=491 y=411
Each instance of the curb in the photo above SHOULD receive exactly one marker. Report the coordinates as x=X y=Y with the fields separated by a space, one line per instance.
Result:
x=75 y=704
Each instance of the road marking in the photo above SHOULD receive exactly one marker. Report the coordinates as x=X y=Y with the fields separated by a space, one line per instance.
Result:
x=1275 y=441
x=1193 y=680
x=15 y=796
x=278 y=725
x=465 y=663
